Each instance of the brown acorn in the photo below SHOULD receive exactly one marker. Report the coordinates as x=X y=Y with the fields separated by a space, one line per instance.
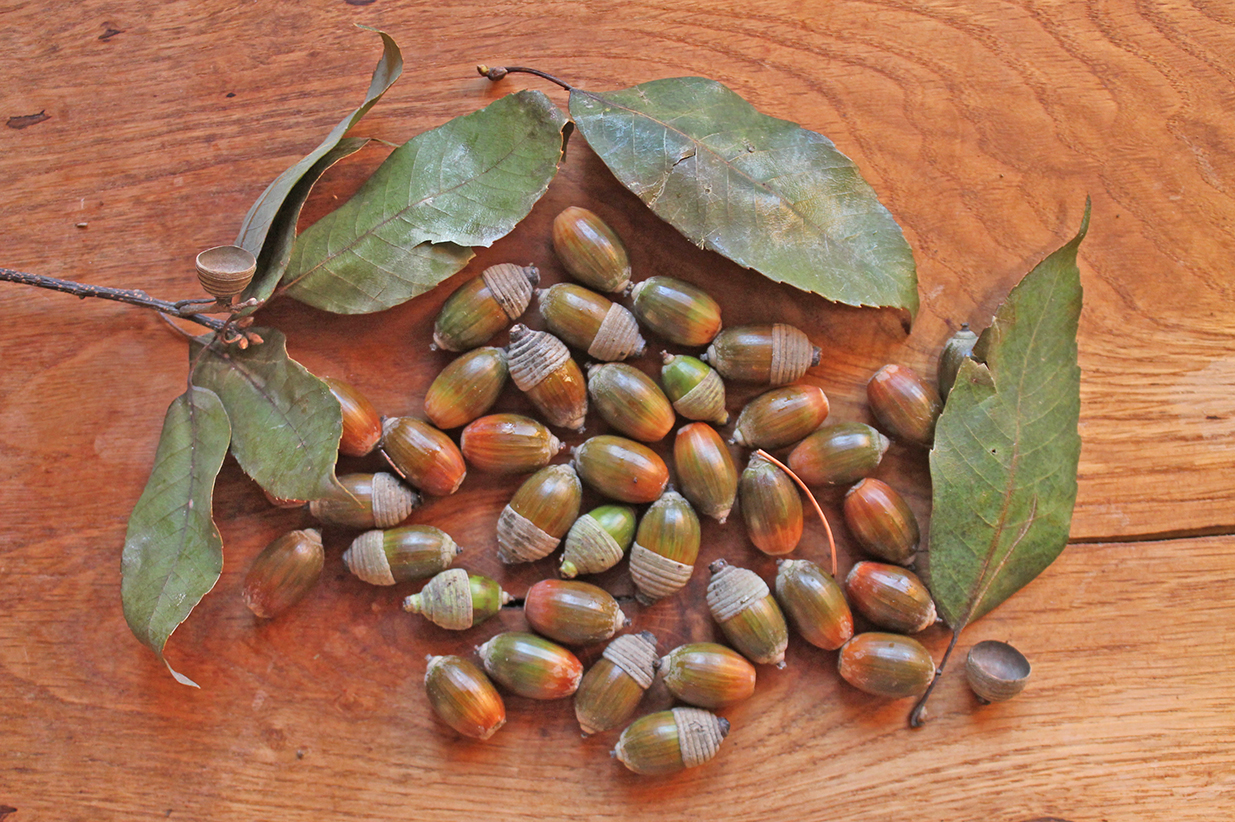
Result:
x=881 y=521
x=466 y=388
x=598 y=540
x=620 y=468
x=743 y=606
x=423 y=456
x=225 y=271
x=484 y=306
x=774 y=354
x=456 y=600
x=814 y=603
x=463 y=697
x=362 y=427
x=539 y=514
x=611 y=689
x=590 y=250
x=670 y=741
x=507 y=444
x=771 y=507
x=780 y=417
x=666 y=547
x=956 y=350
x=706 y=471
x=695 y=389
x=707 y=675
x=284 y=572
x=592 y=323
x=400 y=554
x=676 y=311
x=572 y=612
x=373 y=501
x=541 y=367
x=891 y=597
x=531 y=666
x=887 y=665
x=904 y=403
x=838 y=454
x=630 y=401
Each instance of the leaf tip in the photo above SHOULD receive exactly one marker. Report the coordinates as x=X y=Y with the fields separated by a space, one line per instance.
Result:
x=179 y=677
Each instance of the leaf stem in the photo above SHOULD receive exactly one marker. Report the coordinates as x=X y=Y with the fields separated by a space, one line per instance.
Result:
x=496 y=73
x=918 y=715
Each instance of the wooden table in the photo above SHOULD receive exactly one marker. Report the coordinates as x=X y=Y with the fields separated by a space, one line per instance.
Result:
x=982 y=125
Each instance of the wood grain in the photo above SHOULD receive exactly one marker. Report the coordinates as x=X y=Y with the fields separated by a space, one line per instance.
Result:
x=983 y=126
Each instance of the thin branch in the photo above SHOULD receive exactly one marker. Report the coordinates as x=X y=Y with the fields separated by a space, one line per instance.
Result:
x=918 y=715
x=498 y=72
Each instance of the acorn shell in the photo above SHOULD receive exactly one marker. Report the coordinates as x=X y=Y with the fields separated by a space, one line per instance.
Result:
x=400 y=554
x=781 y=417
x=590 y=322
x=695 y=389
x=705 y=470
x=611 y=690
x=362 y=427
x=483 y=306
x=541 y=367
x=463 y=697
x=507 y=444
x=630 y=401
x=590 y=250
x=466 y=388
x=374 y=501
x=284 y=572
x=620 y=468
x=838 y=454
x=598 y=540
x=666 y=547
x=422 y=455
x=539 y=514
x=814 y=603
x=774 y=354
x=771 y=507
x=676 y=311
x=671 y=741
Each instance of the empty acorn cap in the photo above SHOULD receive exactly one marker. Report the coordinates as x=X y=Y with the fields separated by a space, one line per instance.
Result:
x=226 y=270
x=996 y=671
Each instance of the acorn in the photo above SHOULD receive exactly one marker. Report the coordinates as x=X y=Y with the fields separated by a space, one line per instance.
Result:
x=771 y=507
x=906 y=405
x=225 y=271
x=666 y=547
x=598 y=540
x=705 y=469
x=590 y=250
x=531 y=666
x=373 y=501
x=956 y=350
x=814 y=603
x=611 y=689
x=676 y=311
x=838 y=454
x=400 y=554
x=890 y=596
x=881 y=521
x=592 y=323
x=888 y=665
x=774 y=354
x=780 y=417
x=483 y=306
x=620 y=468
x=362 y=427
x=695 y=389
x=707 y=675
x=456 y=600
x=630 y=401
x=996 y=671
x=463 y=697
x=541 y=367
x=671 y=741
x=572 y=612
x=747 y=613
x=466 y=388
x=284 y=572
x=507 y=444
x=539 y=514
x=422 y=455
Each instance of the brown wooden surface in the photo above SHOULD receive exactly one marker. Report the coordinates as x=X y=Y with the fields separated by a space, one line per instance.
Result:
x=982 y=125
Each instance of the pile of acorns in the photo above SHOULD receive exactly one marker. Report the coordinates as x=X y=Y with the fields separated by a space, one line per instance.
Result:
x=664 y=543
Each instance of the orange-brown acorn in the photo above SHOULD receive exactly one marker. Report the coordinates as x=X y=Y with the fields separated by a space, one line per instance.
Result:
x=284 y=572
x=904 y=403
x=531 y=666
x=781 y=417
x=814 y=603
x=707 y=675
x=705 y=469
x=775 y=354
x=891 y=597
x=541 y=367
x=838 y=454
x=484 y=306
x=620 y=468
x=881 y=521
x=507 y=444
x=572 y=612
x=463 y=697
x=539 y=514
x=466 y=388
x=362 y=427
x=771 y=507
x=666 y=547
x=422 y=455
x=611 y=689
x=676 y=311
x=630 y=401
x=887 y=665
x=590 y=322
x=590 y=250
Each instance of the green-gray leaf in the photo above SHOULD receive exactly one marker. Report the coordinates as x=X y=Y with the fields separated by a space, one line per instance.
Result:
x=285 y=422
x=262 y=213
x=766 y=193
x=1003 y=467
x=173 y=554
x=465 y=183
x=278 y=248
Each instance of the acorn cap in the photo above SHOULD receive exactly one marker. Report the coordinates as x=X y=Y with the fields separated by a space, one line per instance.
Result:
x=996 y=671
